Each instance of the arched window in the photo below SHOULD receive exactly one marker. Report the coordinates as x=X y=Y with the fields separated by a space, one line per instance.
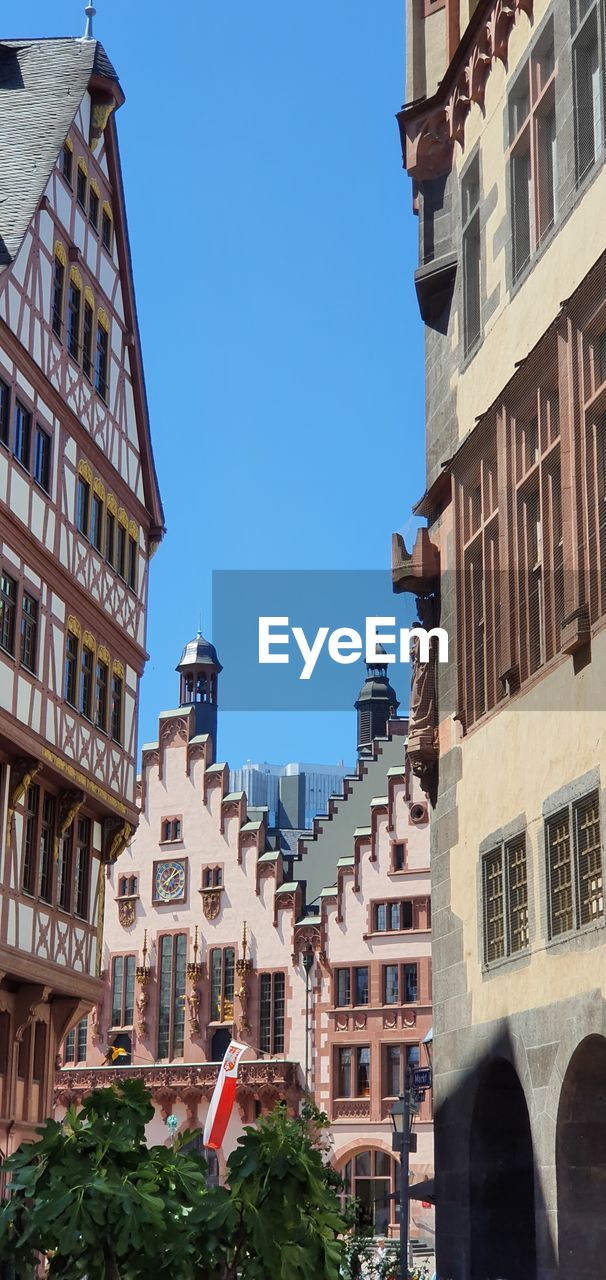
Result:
x=201 y=688
x=371 y=1179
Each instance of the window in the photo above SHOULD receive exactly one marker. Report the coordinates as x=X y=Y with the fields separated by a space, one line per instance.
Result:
x=132 y=563
x=29 y=631
x=532 y=139
x=42 y=459
x=353 y=1072
x=352 y=981
x=101 y=693
x=123 y=991
x=505 y=900
x=538 y=537
x=472 y=255
x=171 y=1006
x=74 y=308
x=102 y=361
x=83 y=505
x=117 y=688
x=171 y=829
x=271 y=1012
x=81 y=186
x=392 y=916
x=574 y=866
x=212 y=878
x=67 y=164
x=64 y=870
x=87 y=662
x=96 y=522
x=107 y=228
x=372 y=1180
x=82 y=867
x=110 y=537
x=47 y=832
x=128 y=886
x=8 y=603
x=69 y=1046
x=23 y=435
x=121 y=550
x=30 y=829
x=222 y=966
x=400 y=984
x=399 y=1059
x=81 y=1038
x=58 y=285
x=588 y=60
x=71 y=669
x=5 y=406
x=93 y=207
x=398 y=856
x=87 y=341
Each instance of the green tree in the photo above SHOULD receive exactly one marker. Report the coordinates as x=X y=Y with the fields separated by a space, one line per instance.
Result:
x=94 y=1199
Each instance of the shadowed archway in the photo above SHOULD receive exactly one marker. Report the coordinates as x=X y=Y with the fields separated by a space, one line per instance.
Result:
x=501 y=1176
x=581 y=1162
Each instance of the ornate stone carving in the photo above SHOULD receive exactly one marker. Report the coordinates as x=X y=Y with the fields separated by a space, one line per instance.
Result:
x=127 y=911
x=23 y=773
x=211 y=902
x=142 y=1002
x=429 y=132
x=116 y=835
x=70 y=802
x=352 y=1109
x=193 y=1006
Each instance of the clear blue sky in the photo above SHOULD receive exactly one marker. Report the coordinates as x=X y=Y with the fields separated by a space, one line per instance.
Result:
x=274 y=247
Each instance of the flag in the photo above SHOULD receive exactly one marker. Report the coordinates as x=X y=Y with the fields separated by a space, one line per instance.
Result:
x=222 y=1100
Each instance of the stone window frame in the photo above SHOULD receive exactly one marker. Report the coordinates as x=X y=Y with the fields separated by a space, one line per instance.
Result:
x=474 y=158
x=503 y=836
x=393 y=845
x=171 y=839
x=585 y=936
x=354 y=1048
x=352 y=970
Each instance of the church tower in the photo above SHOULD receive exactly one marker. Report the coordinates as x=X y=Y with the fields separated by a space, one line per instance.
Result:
x=376 y=704
x=199 y=669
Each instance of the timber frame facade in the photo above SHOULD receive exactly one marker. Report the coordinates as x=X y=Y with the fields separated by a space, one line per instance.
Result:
x=80 y=516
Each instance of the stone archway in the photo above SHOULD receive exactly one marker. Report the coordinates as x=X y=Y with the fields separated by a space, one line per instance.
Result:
x=503 y=1245
x=581 y=1162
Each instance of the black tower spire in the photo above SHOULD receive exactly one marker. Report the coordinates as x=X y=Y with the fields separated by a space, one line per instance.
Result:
x=199 y=669
x=376 y=704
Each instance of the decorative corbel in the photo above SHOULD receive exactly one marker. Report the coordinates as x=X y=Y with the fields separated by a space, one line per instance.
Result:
x=70 y=802
x=116 y=835
x=23 y=773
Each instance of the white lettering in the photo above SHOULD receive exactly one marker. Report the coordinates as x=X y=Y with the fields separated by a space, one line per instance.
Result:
x=266 y=639
x=310 y=656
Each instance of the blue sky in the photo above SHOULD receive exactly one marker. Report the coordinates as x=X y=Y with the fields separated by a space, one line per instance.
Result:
x=274 y=247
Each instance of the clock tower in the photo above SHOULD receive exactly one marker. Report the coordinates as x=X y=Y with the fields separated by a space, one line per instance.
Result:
x=199 y=669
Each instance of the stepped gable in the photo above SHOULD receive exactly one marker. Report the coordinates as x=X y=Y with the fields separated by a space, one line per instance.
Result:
x=332 y=834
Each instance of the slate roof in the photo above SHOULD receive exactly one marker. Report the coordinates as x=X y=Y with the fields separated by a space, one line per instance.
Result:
x=42 y=83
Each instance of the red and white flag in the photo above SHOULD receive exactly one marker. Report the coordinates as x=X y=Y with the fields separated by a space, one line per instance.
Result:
x=222 y=1100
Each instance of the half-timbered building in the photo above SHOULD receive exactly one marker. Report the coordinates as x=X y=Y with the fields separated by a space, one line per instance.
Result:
x=80 y=516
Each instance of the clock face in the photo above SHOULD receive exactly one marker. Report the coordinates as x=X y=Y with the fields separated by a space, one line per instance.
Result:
x=169 y=881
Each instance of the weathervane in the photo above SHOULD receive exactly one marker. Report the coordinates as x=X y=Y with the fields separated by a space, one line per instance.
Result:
x=90 y=12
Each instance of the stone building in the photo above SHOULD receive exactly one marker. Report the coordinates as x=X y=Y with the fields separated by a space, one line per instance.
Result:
x=503 y=139
x=80 y=515
x=205 y=937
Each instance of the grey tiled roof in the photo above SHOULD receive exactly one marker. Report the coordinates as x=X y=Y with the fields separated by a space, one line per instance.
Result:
x=42 y=83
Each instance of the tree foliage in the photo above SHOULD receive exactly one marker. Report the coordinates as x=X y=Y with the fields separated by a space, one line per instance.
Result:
x=97 y=1202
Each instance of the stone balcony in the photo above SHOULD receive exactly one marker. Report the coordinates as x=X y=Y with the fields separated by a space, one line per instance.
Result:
x=262 y=1083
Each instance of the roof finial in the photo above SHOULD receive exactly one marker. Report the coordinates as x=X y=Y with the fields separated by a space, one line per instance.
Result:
x=90 y=12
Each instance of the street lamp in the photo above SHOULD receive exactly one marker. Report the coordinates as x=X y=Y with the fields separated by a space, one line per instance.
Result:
x=308 y=959
x=400 y=1119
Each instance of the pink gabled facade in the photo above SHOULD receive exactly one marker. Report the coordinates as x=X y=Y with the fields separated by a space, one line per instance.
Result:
x=207 y=935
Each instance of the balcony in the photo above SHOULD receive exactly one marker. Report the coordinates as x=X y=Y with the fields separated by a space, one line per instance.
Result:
x=265 y=1082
